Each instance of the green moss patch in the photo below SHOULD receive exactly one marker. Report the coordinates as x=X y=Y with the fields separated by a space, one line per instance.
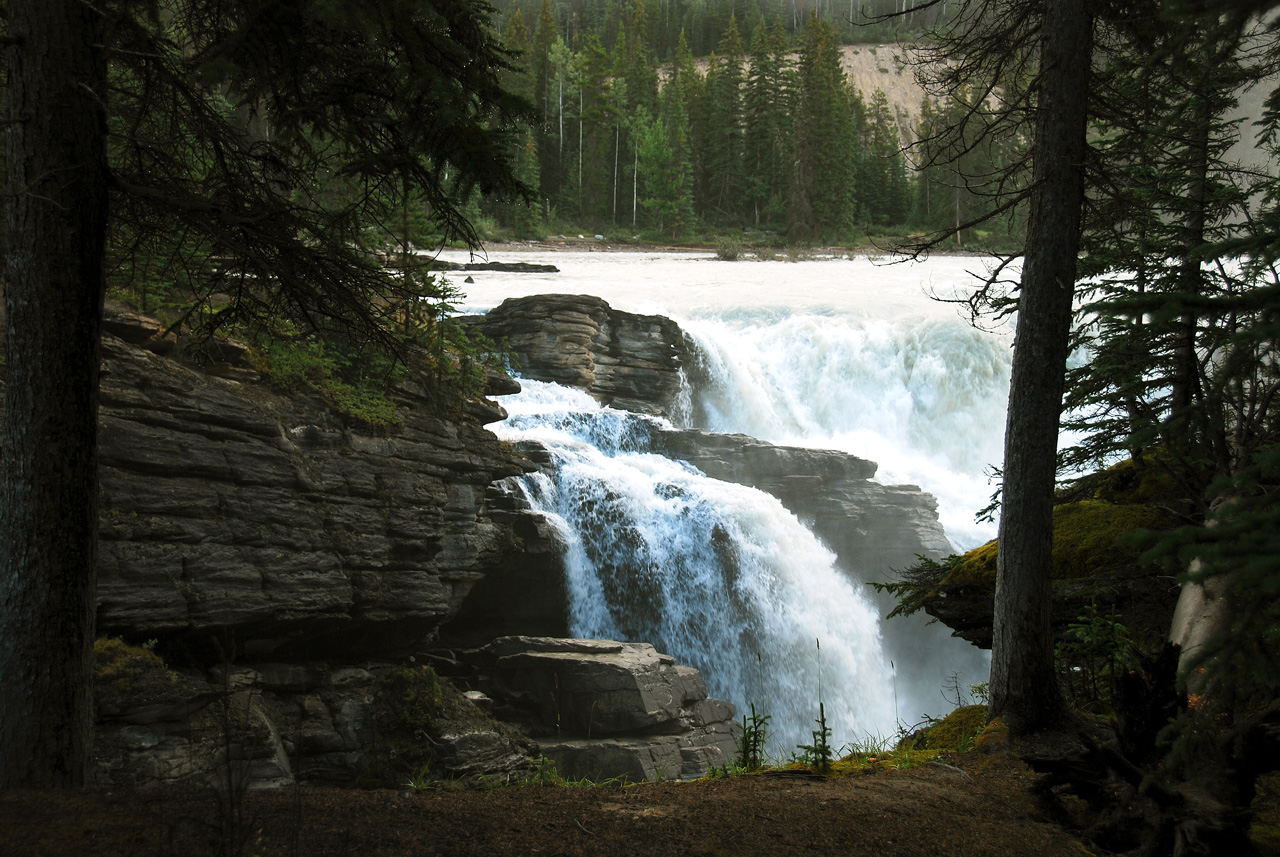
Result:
x=128 y=678
x=957 y=730
x=1090 y=538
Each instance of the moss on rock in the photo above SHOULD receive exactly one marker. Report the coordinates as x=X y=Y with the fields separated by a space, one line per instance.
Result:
x=1090 y=538
x=955 y=732
x=128 y=677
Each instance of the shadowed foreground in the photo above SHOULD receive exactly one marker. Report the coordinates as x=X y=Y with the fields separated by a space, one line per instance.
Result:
x=980 y=808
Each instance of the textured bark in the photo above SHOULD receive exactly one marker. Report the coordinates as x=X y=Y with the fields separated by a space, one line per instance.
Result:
x=55 y=222
x=1023 y=686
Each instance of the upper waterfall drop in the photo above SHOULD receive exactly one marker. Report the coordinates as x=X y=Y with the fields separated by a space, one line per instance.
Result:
x=924 y=398
x=719 y=575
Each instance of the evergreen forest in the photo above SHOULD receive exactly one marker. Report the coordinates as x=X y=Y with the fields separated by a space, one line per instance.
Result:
x=669 y=119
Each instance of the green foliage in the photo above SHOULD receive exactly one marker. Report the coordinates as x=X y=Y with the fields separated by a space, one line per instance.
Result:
x=114 y=659
x=410 y=698
x=406 y=707
x=544 y=772
x=753 y=740
x=257 y=178
x=956 y=731
x=1090 y=538
x=125 y=675
x=819 y=755
x=1238 y=551
x=1092 y=655
x=421 y=780
x=728 y=251
x=917 y=584
x=308 y=366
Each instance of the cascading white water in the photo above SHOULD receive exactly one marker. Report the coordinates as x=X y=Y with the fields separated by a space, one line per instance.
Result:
x=924 y=398
x=848 y=354
x=844 y=354
x=719 y=575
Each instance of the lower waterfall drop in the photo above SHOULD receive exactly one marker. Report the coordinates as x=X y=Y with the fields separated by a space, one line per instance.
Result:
x=718 y=575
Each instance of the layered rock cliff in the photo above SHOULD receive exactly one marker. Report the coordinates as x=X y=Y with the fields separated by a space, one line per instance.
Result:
x=231 y=512
x=299 y=571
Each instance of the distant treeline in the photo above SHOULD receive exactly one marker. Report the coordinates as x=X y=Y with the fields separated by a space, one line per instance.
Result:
x=765 y=134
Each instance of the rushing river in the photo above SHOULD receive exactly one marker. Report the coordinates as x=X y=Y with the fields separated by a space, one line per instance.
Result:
x=848 y=354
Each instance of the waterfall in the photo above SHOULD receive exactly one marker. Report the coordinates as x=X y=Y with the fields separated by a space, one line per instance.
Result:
x=924 y=398
x=719 y=575
x=845 y=354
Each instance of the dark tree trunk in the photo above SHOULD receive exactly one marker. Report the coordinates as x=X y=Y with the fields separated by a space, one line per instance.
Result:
x=1024 y=690
x=55 y=226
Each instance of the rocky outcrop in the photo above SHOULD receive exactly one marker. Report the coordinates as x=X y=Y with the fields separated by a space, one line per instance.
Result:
x=631 y=362
x=272 y=724
x=599 y=710
x=872 y=527
x=264 y=522
x=602 y=709
x=505 y=267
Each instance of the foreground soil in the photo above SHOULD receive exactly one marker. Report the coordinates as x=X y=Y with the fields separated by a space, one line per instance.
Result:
x=978 y=806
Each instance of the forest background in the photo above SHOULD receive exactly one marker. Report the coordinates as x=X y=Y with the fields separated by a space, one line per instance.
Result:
x=693 y=120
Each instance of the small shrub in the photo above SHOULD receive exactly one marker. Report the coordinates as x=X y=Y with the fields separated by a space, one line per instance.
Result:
x=352 y=384
x=818 y=755
x=755 y=735
x=407 y=704
x=411 y=698
x=126 y=676
x=113 y=659
x=1093 y=654
x=728 y=251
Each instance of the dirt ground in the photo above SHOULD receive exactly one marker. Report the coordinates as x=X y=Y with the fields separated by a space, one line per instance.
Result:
x=976 y=806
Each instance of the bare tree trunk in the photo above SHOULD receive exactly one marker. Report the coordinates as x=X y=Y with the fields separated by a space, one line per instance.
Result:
x=55 y=227
x=1023 y=686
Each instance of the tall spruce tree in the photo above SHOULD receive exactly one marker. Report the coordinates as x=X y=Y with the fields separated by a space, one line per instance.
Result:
x=721 y=160
x=882 y=190
x=1033 y=61
x=822 y=134
x=548 y=99
x=767 y=134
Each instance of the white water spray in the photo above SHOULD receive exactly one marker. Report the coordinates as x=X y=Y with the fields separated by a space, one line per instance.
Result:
x=721 y=576
x=847 y=354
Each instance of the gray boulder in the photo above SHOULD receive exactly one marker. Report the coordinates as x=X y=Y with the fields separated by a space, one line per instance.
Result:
x=603 y=709
x=629 y=361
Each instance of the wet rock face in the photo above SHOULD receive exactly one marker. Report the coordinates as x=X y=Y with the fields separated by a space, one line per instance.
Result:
x=872 y=527
x=631 y=362
x=228 y=512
